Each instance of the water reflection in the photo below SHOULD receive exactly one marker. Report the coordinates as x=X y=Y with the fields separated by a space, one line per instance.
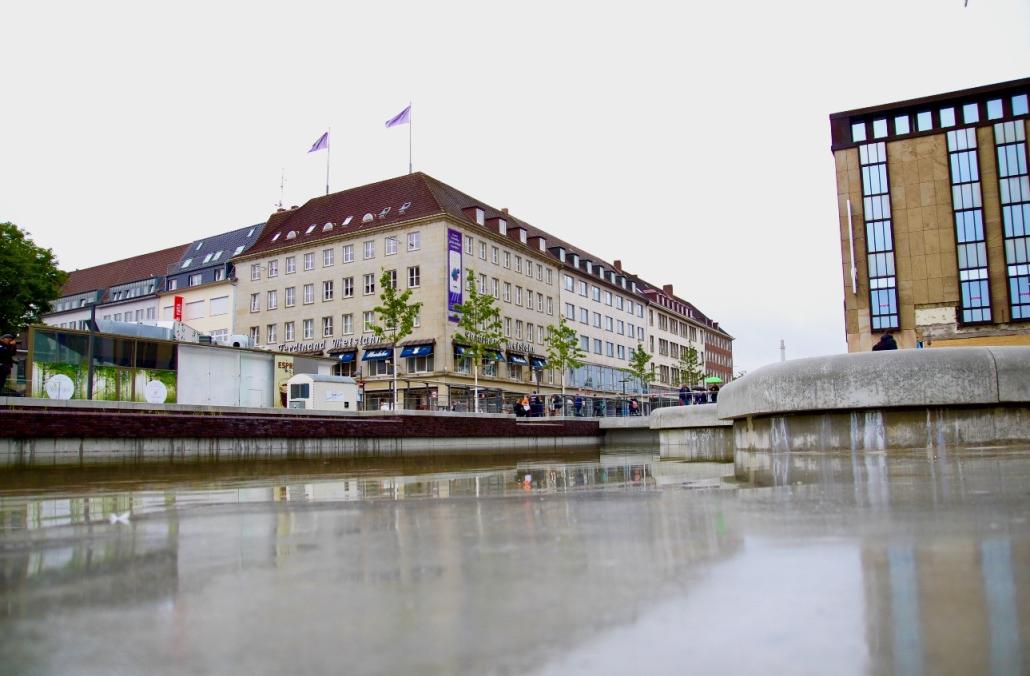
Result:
x=869 y=563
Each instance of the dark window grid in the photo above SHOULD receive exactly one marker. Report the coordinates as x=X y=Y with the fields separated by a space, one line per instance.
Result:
x=1015 y=209
x=883 y=292
x=1009 y=112
x=971 y=245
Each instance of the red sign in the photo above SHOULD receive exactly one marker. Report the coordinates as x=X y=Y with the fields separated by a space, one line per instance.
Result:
x=177 y=312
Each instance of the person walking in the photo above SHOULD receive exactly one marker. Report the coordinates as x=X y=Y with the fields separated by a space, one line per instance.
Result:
x=578 y=404
x=886 y=342
x=8 y=350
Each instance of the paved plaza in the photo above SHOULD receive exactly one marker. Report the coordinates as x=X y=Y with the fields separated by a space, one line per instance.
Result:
x=829 y=563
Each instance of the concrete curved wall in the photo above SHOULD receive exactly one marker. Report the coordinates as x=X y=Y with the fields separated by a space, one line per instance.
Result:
x=960 y=376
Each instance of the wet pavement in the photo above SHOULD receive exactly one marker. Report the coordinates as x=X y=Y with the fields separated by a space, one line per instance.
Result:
x=589 y=564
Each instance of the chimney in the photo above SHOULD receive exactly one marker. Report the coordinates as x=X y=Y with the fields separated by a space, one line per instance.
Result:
x=618 y=265
x=667 y=288
x=504 y=210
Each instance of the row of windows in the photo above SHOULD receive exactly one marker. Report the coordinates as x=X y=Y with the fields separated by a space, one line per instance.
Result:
x=327 y=328
x=533 y=333
x=328 y=290
x=195 y=279
x=504 y=292
x=883 y=295
x=605 y=348
x=606 y=322
x=939 y=118
x=506 y=258
x=1014 y=184
x=138 y=315
x=971 y=245
x=390 y=247
x=598 y=295
x=676 y=327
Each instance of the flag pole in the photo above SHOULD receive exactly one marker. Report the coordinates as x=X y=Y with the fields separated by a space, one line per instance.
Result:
x=411 y=124
x=328 y=150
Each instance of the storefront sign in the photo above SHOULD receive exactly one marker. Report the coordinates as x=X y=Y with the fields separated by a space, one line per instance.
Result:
x=455 y=282
x=283 y=372
x=177 y=312
x=524 y=348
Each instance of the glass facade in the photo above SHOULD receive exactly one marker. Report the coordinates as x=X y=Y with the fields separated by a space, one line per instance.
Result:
x=1014 y=195
x=970 y=241
x=883 y=285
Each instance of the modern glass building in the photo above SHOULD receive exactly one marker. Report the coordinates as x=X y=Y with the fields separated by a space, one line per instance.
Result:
x=934 y=210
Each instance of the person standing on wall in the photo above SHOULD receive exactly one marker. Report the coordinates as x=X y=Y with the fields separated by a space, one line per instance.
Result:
x=8 y=349
x=886 y=343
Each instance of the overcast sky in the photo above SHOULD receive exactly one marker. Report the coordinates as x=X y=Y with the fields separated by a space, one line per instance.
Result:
x=689 y=140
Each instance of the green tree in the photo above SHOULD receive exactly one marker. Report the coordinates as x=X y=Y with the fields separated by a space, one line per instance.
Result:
x=395 y=317
x=29 y=279
x=563 y=350
x=479 y=328
x=691 y=366
x=639 y=365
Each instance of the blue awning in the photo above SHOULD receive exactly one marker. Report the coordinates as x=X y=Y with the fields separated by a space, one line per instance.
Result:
x=416 y=351
x=517 y=359
x=537 y=362
x=348 y=356
x=377 y=354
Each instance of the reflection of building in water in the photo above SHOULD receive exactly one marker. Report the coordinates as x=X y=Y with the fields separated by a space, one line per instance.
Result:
x=953 y=609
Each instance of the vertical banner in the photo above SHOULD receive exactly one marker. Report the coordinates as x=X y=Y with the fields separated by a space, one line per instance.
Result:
x=177 y=312
x=455 y=283
x=283 y=372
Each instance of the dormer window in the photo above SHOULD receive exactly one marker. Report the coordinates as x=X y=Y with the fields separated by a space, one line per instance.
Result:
x=502 y=226
x=327 y=227
x=590 y=267
x=481 y=217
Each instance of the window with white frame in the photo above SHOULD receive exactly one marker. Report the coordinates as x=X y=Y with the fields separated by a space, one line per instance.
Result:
x=518 y=295
x=550 y=306
x=419 y=364
x=270 y=333
x=309 y=294
x=370 y=284
x=327 y=327
x=255 y=335
x=482 y=283
x=348 y=253
x=347 y=325
x=219 y=306
x=327 y=290
x=291 y=265
x=495 y=287
x=291 y=296
x=255 y=302
x=309 y=329
x=392 y=275
x=196 y=279
x=390 y=246
x=507 y=292
x=309 y=261
x=495 y=255
x=327 y=257
x=414 y=241
x=518 y=263
x=348 y=287
x=518 y=329
x=272 y=301
x=482 y=250
x=550 y=277
x=570 y=311
x=370 y=249
x=288 y=332
x=539 y=302
x=507 y=326
x=368 y=319
x=273 y=267
x=414 y=276
x=469 y=244
x=539 y=272
x=507 y=260
x=255 y=272
x=219 y=274
x=584 y=315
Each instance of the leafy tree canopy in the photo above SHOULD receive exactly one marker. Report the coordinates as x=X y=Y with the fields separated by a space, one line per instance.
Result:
x=639 y=364
x=29 y=279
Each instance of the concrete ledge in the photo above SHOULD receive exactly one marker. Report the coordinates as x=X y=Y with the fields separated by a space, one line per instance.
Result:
x=695 y=415
x=628 y=422
x=960 y=376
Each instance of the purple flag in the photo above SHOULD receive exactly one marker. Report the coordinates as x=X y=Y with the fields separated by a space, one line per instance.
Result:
x=321 y=143
x=403 y=117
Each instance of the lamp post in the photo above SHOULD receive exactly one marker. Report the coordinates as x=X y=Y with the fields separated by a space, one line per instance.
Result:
x=89 y=349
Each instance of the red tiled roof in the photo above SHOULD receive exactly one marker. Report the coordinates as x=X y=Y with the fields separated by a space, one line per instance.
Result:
x=154 y=264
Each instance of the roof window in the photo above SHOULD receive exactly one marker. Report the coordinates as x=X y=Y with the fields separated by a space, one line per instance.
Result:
x=186 y=263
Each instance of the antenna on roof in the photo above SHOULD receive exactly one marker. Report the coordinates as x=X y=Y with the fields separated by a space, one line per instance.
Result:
x=282 y=186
